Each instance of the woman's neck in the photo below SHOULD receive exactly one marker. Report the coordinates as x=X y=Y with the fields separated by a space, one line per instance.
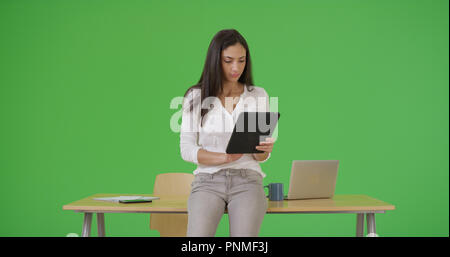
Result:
x=230 y=88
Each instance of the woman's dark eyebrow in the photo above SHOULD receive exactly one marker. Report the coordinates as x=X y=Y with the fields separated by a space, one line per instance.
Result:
x=232 y=57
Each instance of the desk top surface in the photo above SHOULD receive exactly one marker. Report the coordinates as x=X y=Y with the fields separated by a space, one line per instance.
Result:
x=178 y=204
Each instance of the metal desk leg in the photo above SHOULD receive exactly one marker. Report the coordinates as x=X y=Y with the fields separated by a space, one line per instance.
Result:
x=370 y=223
x=359 y=224
x=87 y=224
x=101 y=224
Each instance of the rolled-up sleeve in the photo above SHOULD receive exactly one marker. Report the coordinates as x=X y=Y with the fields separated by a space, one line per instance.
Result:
x=188 y=147
x=189 y=131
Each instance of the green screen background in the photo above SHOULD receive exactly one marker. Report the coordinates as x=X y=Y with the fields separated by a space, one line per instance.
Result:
x=85 y=88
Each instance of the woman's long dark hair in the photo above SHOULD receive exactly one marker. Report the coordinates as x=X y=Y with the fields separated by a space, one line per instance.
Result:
x=210 y=81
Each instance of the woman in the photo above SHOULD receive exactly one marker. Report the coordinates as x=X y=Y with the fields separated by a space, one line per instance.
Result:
x=231 y=182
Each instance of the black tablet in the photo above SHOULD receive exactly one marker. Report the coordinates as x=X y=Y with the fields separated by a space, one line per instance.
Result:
x=250 y=129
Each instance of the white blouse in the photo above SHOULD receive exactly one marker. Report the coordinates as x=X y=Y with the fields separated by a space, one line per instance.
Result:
x=218 y=125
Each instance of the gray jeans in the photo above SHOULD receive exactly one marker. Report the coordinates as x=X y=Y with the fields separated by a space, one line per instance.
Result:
x=239 y=191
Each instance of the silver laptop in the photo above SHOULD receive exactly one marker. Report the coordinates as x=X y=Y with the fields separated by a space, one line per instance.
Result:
x=312 y=179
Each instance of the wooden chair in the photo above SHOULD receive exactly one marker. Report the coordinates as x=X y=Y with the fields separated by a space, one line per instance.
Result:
x=171 y=184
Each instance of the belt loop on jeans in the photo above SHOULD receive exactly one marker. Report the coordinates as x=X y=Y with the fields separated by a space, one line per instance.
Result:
x=243 y=173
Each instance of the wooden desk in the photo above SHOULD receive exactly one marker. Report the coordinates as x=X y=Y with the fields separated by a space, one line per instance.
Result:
x=359 y=204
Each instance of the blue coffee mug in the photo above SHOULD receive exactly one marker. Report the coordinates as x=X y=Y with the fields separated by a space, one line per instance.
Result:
x=276 y=192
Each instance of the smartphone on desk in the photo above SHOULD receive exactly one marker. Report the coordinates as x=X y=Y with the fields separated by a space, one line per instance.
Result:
x=136 y=201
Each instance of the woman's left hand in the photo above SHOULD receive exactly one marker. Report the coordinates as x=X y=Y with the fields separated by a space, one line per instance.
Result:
x=266 y=146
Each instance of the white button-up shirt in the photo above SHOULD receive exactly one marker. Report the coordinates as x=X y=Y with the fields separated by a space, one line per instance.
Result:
x=218 y=125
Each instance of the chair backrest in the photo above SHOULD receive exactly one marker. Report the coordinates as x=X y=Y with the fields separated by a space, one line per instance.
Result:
x=171 y=184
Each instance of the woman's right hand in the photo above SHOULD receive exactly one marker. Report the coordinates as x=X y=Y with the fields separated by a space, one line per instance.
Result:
x=232 y=157
x=213 y=158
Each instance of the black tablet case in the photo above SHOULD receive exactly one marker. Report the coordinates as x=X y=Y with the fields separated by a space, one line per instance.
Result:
x=250 y=128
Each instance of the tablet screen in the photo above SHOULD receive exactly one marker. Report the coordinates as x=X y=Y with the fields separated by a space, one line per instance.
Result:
x=250 y=129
